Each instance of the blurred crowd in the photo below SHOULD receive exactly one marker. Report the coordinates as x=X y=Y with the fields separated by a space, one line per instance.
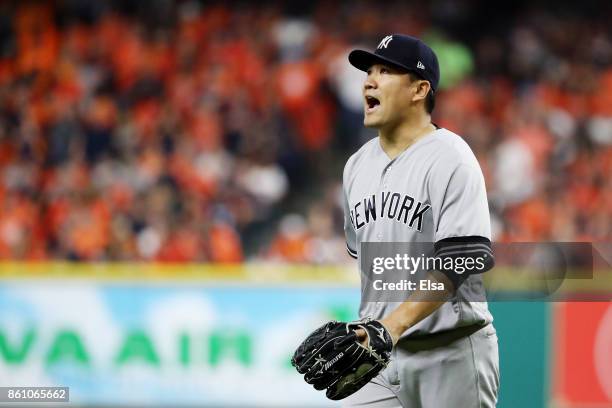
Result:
x=217 y=132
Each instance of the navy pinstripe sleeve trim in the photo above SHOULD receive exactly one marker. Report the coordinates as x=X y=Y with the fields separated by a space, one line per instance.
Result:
x=475 y=247
x=469 y=246
x=464 y=247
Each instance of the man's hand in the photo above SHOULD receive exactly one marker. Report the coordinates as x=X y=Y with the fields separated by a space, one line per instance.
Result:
x=394 y=330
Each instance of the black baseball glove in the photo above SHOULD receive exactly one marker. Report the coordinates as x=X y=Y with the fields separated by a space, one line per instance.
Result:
x=333 y=358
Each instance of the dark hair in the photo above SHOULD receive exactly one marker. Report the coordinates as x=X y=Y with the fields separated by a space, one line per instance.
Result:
x=430 y=99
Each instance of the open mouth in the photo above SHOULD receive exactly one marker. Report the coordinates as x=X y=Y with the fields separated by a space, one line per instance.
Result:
x=371 y=103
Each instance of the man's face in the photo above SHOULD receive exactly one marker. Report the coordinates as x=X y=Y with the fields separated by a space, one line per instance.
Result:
x=388 y=94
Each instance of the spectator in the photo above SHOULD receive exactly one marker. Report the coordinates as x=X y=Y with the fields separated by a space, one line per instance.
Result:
x=185 y=136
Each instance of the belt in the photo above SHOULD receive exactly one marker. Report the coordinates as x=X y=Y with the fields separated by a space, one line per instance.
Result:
x=440 y=339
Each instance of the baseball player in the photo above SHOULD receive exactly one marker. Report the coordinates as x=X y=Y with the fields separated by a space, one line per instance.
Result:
x=444 y=349
x=415 y=184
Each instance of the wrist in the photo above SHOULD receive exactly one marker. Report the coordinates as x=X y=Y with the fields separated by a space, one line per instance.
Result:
x=394 y=328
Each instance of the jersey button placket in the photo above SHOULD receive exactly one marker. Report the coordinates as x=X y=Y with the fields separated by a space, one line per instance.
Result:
x=379 y=236
x=385 y=176
x=384 y=184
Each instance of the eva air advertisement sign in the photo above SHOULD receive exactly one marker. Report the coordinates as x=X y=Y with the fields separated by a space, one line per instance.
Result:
x=173 y=343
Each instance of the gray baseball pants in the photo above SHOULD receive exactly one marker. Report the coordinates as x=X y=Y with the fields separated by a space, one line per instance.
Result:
x=462 y=374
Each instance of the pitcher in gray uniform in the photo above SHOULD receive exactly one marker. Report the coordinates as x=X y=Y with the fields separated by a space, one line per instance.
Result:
x=414 y=183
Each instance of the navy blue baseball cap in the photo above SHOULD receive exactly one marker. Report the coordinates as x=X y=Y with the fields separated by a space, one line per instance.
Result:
x=401 y=51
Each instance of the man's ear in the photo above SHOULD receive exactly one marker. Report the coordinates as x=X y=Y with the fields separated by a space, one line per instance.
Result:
x=422 y=89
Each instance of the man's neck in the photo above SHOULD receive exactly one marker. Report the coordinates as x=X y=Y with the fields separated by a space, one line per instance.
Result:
x=395 y=141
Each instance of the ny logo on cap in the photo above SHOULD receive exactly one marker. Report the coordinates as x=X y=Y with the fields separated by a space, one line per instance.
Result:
x=420 y=65
x=385 y=41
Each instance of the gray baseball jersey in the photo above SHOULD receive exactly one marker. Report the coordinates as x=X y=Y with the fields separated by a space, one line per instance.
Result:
x=433 y=190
